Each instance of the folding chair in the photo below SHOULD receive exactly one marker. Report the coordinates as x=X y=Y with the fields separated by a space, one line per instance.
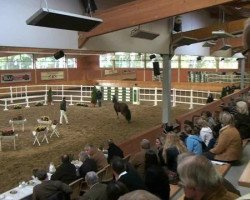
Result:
x=36 y=135
x=45 y=133
x=54 y=130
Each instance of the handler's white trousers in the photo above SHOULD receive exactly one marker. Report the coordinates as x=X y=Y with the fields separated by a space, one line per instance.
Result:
x=63 y=114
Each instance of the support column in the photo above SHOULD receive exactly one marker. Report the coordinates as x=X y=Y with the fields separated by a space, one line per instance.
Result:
x=166 y=89
x=242 y=72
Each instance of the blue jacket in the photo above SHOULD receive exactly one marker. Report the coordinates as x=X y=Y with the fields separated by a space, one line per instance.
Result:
x=193 y=143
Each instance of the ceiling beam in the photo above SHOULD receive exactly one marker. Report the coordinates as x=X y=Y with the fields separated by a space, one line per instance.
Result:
x=143 y=11
x=204 y=34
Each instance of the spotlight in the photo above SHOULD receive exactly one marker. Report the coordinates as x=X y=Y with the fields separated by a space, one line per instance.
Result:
x=199 y=58
x=222 y=59
x=177 y=24
x=152 y=56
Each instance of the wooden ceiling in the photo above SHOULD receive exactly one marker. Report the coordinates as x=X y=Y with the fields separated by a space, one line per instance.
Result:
x=135 y=12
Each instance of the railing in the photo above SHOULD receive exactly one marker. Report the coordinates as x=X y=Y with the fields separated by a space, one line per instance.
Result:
x=26 y=95
x=231 y=78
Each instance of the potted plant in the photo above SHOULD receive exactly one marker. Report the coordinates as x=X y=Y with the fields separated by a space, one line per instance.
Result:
x=17 y=106
x=94 y=96
x=45 y=118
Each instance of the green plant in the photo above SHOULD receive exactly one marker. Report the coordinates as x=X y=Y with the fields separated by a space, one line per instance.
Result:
x=18 y=106
x=45 y=118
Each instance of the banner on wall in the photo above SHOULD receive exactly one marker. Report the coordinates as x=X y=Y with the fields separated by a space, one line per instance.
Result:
x=15 y=77
x=55 y=75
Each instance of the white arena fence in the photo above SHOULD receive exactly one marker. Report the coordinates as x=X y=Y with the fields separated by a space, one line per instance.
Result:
x=30 y=95
x=230 y=78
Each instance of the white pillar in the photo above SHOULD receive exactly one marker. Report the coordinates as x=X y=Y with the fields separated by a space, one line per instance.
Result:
x=71 y=100
x=191 y=100
x=6 y=104
x=46 y=95
x=155 y=102
x=174 y=97
x=11 y=94
x=81 y=93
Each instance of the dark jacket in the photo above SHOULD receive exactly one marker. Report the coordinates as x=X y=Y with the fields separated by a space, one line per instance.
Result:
x=87 y=166
x=242 y=123
x=63 y=105
x=114 y=150
x=172 y=154
x=47 y=189
x=132 y=181
x=156 y=181
x=66 y=173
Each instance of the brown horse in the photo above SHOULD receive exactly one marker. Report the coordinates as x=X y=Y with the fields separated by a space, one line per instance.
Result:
x=122 y=108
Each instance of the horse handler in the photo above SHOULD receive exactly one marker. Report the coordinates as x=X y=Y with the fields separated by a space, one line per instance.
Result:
x=63 y=111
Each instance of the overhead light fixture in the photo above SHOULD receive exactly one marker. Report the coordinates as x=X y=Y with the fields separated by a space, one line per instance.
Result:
x=209 y=44
x=63 y=20
x=222 y=34
x=59 y=54
x=185 y=41
x=199 y=58
x=138 y=33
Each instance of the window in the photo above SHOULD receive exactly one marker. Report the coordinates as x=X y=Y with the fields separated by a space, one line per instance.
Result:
x=51 y=62
x=20 y=61
x=106 y=60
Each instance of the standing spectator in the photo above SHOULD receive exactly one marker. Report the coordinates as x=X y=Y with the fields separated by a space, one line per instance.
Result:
x=99 y=98
x=138 y=161
x=88 y=164
x=49 y=189
x=66 y=172
x=210 y=98
x=113 y=150
x=97 y=190
x=63 y=111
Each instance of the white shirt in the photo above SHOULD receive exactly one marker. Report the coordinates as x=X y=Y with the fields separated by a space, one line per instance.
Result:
x=206 y=134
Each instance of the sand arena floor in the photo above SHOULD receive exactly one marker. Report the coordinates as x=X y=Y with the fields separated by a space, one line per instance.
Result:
x=87 y=125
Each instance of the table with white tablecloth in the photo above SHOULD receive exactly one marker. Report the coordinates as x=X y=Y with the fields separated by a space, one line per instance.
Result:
x=17 y=122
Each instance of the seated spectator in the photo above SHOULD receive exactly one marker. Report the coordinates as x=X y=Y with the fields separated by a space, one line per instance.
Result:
x=159 y=148
x=188 y=128
x=156 y=179
x=228 y=147
x=97 y=190
x=173 y=146
x=138 y=161
x=206 y=134
x=128 y=178
x=115 y=190
x=97 y=155
x=207 y=115
x=139 y=195
x=242 y=119
x=66 y=172
x=113 y=150
x=194 y=142
x=201 y=180
x=49 y=189
x=88 y=164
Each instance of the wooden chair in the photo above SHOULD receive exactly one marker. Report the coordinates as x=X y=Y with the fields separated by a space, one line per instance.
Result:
x=76 y=188
x=127 y=157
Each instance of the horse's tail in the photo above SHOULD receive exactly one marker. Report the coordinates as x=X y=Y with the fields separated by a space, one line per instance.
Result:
x=128 y=115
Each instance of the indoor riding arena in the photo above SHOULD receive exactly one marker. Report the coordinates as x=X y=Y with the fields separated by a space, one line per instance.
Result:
x=165 y=83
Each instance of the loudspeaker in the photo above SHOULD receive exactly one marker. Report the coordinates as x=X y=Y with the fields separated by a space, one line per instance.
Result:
x=177 y=24
x=58 y=54
x=156 y=68
x=152 y=56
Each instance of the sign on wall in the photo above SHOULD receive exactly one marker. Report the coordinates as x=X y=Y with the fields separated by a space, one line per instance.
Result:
x=55 y=75
x=15 y=77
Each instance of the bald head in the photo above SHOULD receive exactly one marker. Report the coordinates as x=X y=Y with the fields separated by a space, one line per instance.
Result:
x=246 y=35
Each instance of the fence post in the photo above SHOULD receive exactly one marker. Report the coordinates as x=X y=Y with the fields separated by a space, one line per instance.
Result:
x=191 y=100
x=71 y=100
x=81 y=93
x=11 y=94
x=155 y=102
x=136 y=95
x=174 y=97
x=27 y=102
x=6 y=104
x=46 y=95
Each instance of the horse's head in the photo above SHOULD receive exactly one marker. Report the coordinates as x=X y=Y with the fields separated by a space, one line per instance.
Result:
x=114 y=99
